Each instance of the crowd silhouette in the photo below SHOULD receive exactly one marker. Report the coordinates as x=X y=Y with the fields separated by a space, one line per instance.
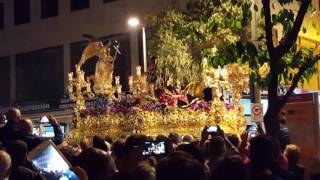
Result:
x=212 y=156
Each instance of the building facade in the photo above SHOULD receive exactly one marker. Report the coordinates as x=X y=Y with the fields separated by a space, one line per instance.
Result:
x=41 y=41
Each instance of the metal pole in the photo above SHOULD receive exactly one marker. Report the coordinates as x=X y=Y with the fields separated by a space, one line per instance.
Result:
x=144 y=43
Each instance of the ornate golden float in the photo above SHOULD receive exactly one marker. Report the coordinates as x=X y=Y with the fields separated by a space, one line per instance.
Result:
x=102 y=108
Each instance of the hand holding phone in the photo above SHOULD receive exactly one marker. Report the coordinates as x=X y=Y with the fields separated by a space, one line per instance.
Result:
x=252 y=130
x=44 y=119
x=53 y=120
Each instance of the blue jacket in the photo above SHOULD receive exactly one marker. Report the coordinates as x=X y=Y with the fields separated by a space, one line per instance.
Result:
x=34 y=140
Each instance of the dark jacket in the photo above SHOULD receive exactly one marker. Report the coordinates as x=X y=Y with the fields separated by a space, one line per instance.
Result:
x=21 y=172
x=298 y=171
x=284 y=136
x=281 y=173
x=8 y=133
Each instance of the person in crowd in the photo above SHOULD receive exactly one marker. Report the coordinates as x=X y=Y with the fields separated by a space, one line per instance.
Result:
x=242 y=149
x=292 y=152
x=264 y=154
x=134 y=146
x=21 y=169
x=167 y=143
x=100 y=143
x=193 y=150
x=128 y=155
x=2 y=119
x=84 y=143
x=143 y=172
x=5 y=165
x=216 y=151
x=180 y=165
x=175 y=139
x=9 y=132
x=25 y=127
x=108 y=139
x=81 y=174
x=98 y=164
x=233 y=139
x=118 y=152
x=160 y=138
x=187 y=138
x=230 y=169
x=284 y=132
x=70 y=153
x=278 y=165
x=261 y=158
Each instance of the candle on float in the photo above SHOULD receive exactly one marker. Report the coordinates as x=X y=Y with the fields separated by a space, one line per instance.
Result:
x=119 y=87
x=130 y=81
x=138 y=68
x=117 y=78
x=70 y=76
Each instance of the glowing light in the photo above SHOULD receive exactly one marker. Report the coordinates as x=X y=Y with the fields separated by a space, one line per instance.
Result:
x=133 y=22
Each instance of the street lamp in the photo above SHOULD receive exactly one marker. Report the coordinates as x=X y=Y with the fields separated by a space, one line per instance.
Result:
x=135 y=22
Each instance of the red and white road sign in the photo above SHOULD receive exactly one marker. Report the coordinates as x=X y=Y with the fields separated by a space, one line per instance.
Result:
x=257 y=112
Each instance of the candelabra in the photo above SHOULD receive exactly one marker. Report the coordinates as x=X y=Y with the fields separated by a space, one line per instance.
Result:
x=138 y=84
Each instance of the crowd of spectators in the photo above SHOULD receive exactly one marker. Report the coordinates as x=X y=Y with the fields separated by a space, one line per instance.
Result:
x=213 y=156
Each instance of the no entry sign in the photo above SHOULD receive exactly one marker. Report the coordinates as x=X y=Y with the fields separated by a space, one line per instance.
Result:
x=257 y=112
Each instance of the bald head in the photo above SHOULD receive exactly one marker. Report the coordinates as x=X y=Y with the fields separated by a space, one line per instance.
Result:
x=13 y=115
x=5 y=164
x=25 y=126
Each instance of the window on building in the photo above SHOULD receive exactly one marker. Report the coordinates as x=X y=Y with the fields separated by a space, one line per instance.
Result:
x=21 y=11
x=108 y=1
x=1 y=16
x=5 y=81
x=39 y=75
x=79 y=4
x=49 y=8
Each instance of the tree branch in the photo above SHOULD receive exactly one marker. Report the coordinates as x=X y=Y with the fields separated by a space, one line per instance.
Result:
x=297 y=78
x=269 y=26
x=292 y=35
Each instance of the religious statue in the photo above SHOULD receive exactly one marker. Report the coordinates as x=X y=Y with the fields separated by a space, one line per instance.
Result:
x=104 y=72
x=102 y=79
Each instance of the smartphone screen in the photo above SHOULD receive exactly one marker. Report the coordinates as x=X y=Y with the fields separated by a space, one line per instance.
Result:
x=159 y=148
x=252 y=130
x=147 y=150
x=153 y=148
x=46 y=130
x=211 y=129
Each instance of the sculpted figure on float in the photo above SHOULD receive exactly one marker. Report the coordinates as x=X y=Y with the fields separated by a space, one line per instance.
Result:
x=102 y=79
